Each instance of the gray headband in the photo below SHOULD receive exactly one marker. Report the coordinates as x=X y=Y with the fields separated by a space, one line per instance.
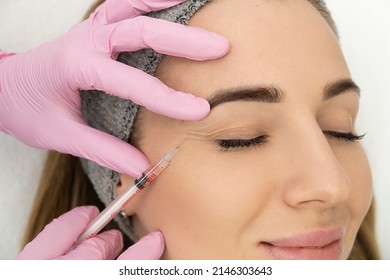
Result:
x=116 y=116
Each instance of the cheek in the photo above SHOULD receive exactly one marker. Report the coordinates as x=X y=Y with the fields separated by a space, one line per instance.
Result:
x=356 y=165
x=203 y=209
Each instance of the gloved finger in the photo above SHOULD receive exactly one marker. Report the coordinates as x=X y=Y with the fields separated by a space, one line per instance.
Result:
x=104 y=246
x=103 y=149
x=149 y=247
x=129 y=83
x=163 y=36
x=116 y=10
x=58 y=236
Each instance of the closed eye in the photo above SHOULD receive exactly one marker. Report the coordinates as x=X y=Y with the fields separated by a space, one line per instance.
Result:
x=342 y=136
x=235 y=144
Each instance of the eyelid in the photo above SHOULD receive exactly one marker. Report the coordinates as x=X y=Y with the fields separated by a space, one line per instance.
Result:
x=245 y=143
x=346 y=122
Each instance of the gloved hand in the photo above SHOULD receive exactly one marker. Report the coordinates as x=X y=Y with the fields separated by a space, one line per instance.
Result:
x=58 y=236
x=39 y=89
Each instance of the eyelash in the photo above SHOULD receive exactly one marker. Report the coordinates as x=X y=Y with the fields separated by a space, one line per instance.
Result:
x=348 y=137
x=236 y=144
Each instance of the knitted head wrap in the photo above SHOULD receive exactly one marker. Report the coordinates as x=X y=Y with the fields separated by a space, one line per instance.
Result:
x=116 y=116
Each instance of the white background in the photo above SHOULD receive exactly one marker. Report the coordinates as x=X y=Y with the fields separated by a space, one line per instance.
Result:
x=178 y=269
x=365 y=37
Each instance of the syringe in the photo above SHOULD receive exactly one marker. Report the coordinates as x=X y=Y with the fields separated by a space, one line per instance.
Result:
x=125 y=197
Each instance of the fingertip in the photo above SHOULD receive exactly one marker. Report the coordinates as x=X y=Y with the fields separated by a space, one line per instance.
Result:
x=184 y=106
x=160 y=242
x=203 y=109
x=181 y=40
x=138 y=165
x=109 y=151
x=220 y=44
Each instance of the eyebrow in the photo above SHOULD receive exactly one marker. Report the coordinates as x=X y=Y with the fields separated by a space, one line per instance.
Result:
x=272 y=94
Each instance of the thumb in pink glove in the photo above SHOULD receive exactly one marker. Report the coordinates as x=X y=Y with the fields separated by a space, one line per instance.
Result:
x=59 y=236
x=39 y=89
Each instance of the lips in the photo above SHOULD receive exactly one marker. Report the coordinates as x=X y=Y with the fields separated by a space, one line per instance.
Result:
x=323 y=244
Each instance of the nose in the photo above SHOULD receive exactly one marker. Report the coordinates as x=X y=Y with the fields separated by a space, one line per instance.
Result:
x=315 y=177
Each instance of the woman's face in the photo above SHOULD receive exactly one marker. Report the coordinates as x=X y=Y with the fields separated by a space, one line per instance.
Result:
x=274 y=170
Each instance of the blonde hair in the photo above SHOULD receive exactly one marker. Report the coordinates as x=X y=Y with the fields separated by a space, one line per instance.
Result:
x=64 y=185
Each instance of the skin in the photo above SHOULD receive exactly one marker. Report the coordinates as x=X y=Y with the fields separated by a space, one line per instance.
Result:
x=216 y=204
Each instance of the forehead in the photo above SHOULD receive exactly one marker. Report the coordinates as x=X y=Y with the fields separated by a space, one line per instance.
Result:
x=284 y=43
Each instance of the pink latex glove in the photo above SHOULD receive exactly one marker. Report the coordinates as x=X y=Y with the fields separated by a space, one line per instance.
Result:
x=39 y=89
x=58 y=236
